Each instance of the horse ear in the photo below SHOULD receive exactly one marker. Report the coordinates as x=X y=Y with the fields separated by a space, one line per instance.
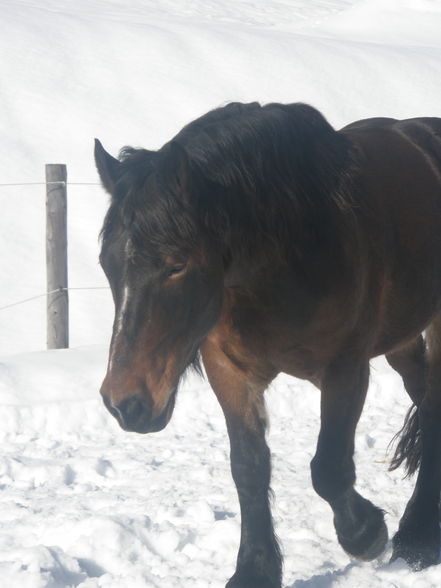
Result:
x=107 y=167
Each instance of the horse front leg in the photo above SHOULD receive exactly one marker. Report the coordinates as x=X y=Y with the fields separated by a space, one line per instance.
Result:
x=259 y=562
x=359 y=524
x=259 y=558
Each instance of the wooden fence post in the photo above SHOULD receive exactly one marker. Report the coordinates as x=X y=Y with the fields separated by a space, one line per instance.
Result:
x=56 y=257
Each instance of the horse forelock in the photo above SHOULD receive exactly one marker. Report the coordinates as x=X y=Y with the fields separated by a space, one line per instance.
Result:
x=144 y=208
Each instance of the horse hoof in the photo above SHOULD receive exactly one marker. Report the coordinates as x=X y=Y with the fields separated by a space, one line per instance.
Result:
x=369 y=540
x=248 y=580
x=252 y=584
x=417 y=553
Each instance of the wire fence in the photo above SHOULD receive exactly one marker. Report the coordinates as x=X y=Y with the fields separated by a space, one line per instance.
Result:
x=19 y=302
x=48 y=293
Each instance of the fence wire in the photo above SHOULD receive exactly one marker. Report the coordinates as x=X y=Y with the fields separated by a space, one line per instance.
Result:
x=19 y=302
x=62 y=183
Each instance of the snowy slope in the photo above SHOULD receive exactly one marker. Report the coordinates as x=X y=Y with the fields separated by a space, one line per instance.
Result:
x=71 y=70
x=81 y=502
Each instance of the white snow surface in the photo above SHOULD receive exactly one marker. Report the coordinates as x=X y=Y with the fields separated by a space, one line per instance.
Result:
x=81 y=502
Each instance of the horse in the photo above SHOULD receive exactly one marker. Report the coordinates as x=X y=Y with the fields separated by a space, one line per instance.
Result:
x=261 y=240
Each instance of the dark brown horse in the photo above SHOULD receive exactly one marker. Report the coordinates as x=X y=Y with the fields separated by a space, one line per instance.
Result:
x=265 y=241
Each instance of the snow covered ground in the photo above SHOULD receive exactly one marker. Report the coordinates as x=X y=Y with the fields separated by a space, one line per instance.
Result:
x=81 y=502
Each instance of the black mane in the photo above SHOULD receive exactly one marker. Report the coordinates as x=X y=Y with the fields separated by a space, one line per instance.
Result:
x=254 y=175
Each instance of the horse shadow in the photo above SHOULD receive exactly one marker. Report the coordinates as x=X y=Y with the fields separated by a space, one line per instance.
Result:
x=325 y=580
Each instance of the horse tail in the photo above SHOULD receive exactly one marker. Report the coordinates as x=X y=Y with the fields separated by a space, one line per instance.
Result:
x=408 y=448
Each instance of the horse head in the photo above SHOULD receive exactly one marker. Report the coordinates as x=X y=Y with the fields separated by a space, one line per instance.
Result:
x=166 y=280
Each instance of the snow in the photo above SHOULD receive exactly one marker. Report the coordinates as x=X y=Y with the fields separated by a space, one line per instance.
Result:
x=81 y=502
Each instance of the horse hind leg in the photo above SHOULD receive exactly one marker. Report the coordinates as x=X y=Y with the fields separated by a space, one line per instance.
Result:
x=410 y=362
x=418 y=538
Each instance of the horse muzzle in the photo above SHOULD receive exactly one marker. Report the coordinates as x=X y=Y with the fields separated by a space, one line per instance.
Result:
x=135 y=413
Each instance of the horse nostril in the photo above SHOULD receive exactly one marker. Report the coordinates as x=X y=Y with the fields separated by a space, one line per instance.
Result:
x=132 y=413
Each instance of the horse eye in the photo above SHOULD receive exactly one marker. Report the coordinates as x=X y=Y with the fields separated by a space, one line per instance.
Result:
x=176 y=270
